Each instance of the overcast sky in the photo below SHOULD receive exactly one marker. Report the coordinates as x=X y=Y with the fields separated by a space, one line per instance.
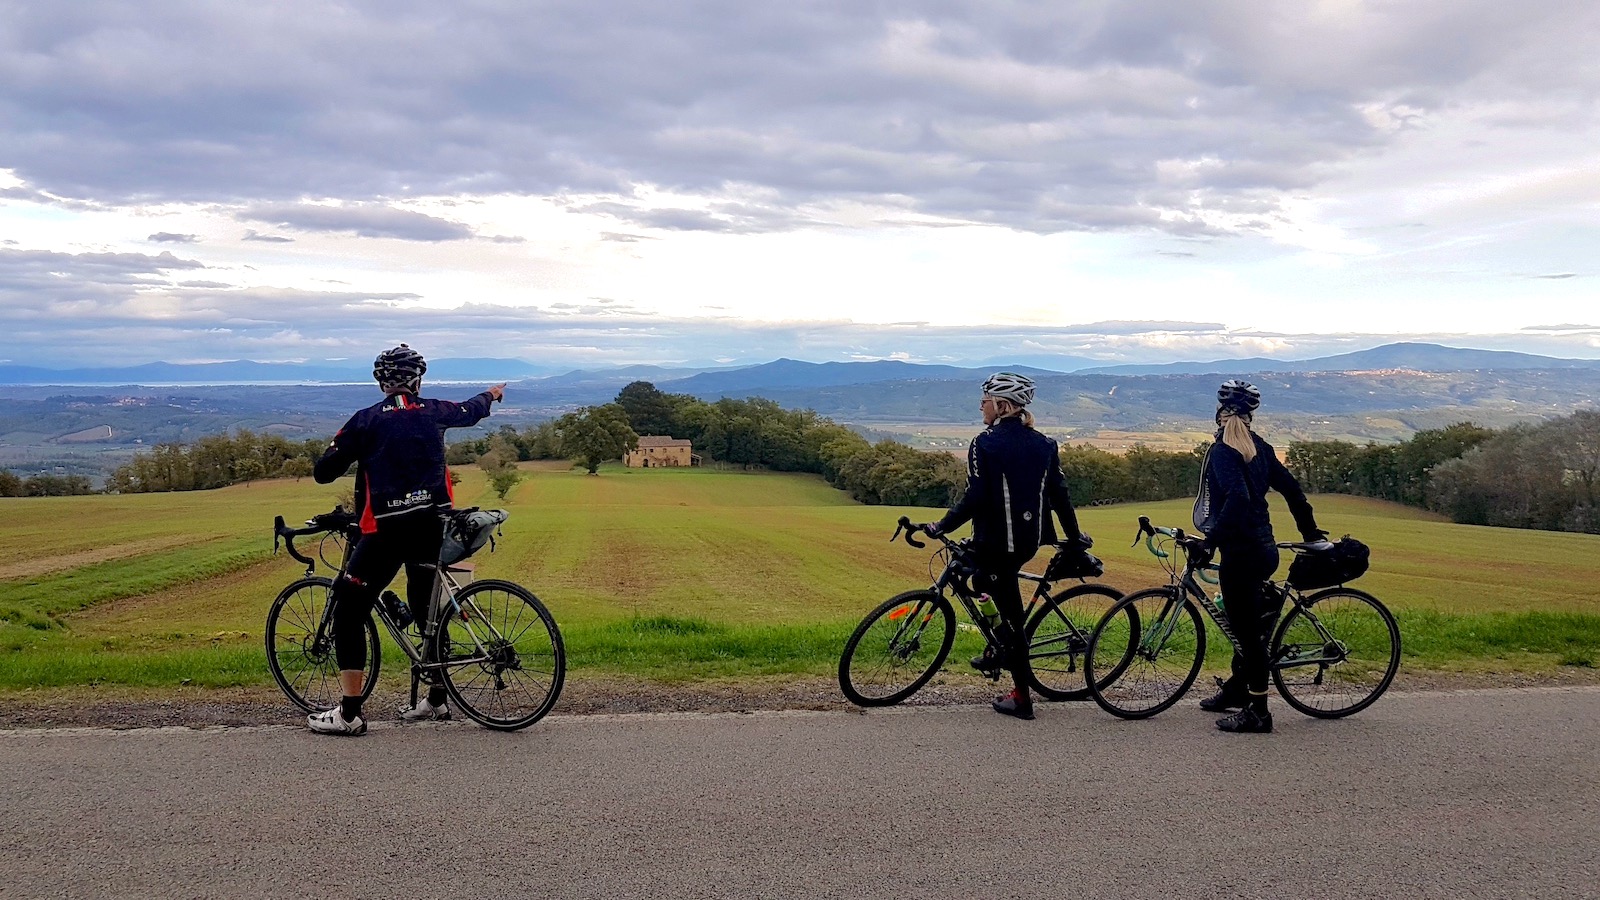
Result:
x=580 y=183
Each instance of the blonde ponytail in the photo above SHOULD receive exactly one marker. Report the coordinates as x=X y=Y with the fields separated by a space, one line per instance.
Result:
x=1011 y=409
x=1236 y=434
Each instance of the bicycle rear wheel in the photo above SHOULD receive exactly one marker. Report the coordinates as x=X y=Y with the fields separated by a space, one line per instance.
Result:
x=1157 y=639
x=897 y=648
x=305 y=668
x=1058 y=638
x=504 y=663
x=1336 y=656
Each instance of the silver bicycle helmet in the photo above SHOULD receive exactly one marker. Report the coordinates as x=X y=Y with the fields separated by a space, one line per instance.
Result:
x=1010 y=386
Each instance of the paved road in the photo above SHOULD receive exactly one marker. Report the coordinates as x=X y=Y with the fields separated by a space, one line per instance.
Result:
x=1487 y=794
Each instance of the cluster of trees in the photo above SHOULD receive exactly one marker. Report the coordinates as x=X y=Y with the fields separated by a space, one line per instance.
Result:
x=215 y=461
x=1096 y=476
x=43 y=485
x=1528 y=476
x=1399 y=472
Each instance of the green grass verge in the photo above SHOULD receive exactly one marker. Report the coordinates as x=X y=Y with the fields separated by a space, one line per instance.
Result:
x=680 y=649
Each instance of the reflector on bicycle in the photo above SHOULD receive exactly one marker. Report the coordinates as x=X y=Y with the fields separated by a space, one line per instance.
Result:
x=898 y=614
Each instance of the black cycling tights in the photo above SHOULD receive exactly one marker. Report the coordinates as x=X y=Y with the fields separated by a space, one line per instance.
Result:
x=997 y=577
x=1243 y=570
x=411 y=540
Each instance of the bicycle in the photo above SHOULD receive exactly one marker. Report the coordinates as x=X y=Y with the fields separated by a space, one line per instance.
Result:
x=503 y=672
x=1334 y=654
x=899 y=646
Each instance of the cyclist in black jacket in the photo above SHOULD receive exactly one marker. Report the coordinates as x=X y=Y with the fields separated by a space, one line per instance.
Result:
x=1014 y=480
x=1231 y=511
x=401 y=487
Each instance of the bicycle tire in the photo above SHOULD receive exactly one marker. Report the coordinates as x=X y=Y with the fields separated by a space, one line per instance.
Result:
x=1056 y=655
x=306 y=673
x=879 y=682
x=517 y=676
x=1360 y=676
x=1150 y=680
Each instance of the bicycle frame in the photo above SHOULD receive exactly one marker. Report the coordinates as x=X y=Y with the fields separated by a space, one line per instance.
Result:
x=1187 y=587
x=444 y=607
x=953 y=580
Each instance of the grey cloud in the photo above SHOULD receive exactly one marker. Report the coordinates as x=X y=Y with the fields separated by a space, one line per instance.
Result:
x=1128 y=115
x=621 y=238
x=1559 y=276
x=363 y=219
x=167 y=237
x=253 y=235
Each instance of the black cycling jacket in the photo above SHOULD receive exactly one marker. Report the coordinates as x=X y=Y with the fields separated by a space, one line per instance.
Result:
x=1232 y=504
x=1013 y=482
x=398 y=448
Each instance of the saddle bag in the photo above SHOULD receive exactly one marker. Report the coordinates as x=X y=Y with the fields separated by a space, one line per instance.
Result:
x=1345 y=561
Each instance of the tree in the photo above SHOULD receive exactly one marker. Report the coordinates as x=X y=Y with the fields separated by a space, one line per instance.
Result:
x=649 y=411
x=503 y=480
x=595 y=434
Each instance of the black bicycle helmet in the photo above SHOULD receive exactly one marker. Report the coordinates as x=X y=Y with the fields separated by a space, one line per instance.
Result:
x=1239 y=396
x=399 y=369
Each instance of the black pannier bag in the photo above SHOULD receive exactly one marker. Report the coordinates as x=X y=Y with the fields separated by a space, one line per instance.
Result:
x=467 y=531
x=1344 y=561
x=1074 y=561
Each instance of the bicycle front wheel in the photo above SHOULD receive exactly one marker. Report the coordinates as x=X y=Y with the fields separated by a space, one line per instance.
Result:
x=1058 y=638
x=1157 y=639
x=302 y=664
x=503 y=660
x=1336 y=655
x=897 y=648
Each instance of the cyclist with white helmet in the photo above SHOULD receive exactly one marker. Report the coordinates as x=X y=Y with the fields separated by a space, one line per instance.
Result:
x=402 y=484
x=1231 y=511
x=1014 y=481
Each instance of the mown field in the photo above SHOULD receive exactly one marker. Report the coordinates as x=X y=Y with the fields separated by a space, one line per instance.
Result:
x=682 y=575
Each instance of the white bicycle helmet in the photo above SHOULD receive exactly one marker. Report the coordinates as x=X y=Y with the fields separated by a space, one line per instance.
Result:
x=1010 y=386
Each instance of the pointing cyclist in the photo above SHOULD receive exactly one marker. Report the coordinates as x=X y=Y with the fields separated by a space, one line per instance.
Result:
x=1014 y=480
x=401 y=485
x=1231 y=511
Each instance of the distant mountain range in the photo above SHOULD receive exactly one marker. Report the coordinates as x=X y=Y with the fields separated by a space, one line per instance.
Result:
x=778 y=374
x=86 y=421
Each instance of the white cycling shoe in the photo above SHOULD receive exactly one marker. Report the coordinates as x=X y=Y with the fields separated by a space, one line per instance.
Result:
x=426 y=712
x=332 y=721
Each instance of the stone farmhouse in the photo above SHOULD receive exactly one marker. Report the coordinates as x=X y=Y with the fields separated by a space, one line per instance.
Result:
x=656 y=452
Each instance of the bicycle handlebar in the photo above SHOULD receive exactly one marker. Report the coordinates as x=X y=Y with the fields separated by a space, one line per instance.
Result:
x=335 y=520
x=910 y=528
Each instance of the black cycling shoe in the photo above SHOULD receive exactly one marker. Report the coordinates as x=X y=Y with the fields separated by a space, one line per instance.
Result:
x=1223 y=700
x=1247 y=721
x=989 y=664
x=1014 y=704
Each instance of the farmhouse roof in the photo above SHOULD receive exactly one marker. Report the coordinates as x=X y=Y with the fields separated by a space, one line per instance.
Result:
x=656 y=441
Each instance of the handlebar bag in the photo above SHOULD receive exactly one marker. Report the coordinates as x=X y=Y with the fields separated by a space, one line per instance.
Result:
x=468 y=531
x=1346 y=561
x=1074 y=562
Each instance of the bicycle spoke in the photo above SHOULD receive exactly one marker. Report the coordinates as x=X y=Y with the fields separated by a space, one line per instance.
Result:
x=896 y=649
x=503 y=661
x=1337 y=656
x=1157 y=642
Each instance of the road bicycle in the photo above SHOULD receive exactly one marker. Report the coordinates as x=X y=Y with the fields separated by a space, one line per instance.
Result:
x=1334 y=653
x=899 y=646
x=491 y=644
